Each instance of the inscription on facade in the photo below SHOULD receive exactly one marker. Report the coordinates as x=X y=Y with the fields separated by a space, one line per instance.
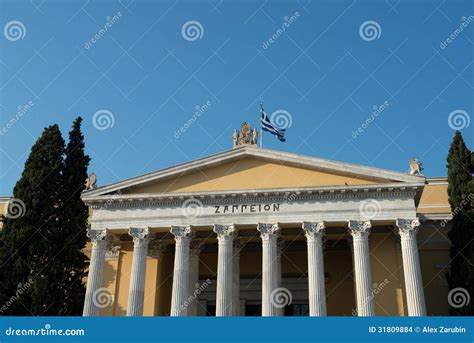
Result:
x=247 y=208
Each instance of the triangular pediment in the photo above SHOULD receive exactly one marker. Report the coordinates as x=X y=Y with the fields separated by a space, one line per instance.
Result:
x=251 y=168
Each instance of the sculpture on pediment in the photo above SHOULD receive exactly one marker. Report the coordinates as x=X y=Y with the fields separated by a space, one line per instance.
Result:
x=91 y=182
x=235 y=138
x=416 y=167
x=246 y=133
x=246 y=136
x=255 y=136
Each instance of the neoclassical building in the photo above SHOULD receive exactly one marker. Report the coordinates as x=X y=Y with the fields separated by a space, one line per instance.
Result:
x=252 y=231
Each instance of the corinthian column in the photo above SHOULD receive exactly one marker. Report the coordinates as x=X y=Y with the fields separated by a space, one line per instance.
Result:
x=236 y=278
x=269 y=234
x=94 y=279
x=317 y=293
x=194 y=251
x=136 y=292
x=363 y=276
x=180 y=271
x=225 y=236
x=407 y=228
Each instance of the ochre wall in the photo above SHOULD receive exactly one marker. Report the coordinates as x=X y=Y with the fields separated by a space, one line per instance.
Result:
x=434 y=199
x=386 y=264
x=249 y=173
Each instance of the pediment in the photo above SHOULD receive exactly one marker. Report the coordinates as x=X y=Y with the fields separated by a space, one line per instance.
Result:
x=251 y=168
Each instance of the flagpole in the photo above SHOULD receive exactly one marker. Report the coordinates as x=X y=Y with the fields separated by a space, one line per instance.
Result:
x=261 y=128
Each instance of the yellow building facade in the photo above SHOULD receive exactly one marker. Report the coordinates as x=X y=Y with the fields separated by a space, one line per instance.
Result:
x=253 y=231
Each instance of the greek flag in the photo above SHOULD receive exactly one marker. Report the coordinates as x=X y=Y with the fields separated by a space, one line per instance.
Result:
x=268 y=126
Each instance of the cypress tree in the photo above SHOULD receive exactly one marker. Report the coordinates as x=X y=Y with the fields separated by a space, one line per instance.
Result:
x=75 y=215
x=27 y=283
x=460 y=186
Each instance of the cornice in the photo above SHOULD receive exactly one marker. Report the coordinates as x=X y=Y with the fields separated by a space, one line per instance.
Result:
x=286 y=195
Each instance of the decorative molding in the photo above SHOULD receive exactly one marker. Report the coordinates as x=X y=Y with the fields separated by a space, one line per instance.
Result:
x=96 y=235
x=181 y=233
x=313 y=229
x=359 y=228
x=407 y=227
x=113 y=251
x=268 y=230
x=196 y=247
x=384 y=191
x=139 y=234
x=156 y=248
x=224 y=230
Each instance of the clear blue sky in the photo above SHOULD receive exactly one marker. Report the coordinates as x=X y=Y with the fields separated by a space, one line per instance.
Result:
x=320 y=70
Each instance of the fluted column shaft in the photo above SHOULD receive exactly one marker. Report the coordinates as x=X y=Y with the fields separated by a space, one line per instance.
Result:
x=225 y=237
x=316 y=281
x=94 y=279
x=280 y=244
x=236 y=279
x=194 y=252
x=269 y=235
x=363 y=276
x=136 y=292
x=180 y=292
x=411 y=267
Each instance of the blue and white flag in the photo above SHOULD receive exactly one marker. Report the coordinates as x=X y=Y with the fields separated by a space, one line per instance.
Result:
x=268 y=126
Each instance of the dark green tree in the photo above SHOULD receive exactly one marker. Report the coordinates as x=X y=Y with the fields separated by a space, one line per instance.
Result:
x=460 y=186
x=74 y=222
x=29 y=236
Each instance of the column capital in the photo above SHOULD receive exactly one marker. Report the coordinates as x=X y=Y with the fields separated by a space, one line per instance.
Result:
x=156 y=248
x=313 y=229
x=267 y=230
x=358 y=228
x=224 y=230
x=181 y=233
x=238 y=245
x=407 y=226
x=195 y=248
x=113 y=250
x=139 y=234
x=97 y=235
